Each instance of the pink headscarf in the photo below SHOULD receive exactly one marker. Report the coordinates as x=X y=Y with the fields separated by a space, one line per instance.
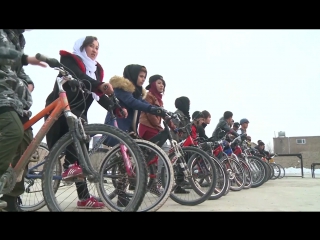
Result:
x=156 y=93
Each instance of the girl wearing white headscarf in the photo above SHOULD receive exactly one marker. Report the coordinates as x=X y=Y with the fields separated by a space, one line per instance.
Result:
x=82 y=63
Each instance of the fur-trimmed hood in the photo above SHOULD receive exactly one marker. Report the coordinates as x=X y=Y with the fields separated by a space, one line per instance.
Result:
x=125 y=84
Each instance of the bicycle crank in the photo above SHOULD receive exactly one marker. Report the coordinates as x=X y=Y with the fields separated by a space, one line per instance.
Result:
x=8 y=181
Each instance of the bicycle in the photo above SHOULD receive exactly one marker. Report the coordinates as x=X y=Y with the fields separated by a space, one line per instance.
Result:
x=158 y=190
x=78 y=135
x=222 y=176
x=279 y=171
x=236 y=172
x=258 y=168
x=177 y=156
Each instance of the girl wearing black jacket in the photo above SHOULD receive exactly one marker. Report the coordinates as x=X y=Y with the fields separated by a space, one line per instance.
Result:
x=82 y=64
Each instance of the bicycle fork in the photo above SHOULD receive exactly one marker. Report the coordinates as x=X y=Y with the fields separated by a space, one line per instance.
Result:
x=79 y=140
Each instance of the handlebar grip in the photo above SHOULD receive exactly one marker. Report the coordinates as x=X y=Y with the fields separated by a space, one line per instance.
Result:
x=52 y=62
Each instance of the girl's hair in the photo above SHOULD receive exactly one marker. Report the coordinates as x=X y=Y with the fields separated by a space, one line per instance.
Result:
x=87 y=41
x=206 y=114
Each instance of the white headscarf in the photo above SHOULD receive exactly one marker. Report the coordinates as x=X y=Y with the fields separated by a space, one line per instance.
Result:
x=91 y=65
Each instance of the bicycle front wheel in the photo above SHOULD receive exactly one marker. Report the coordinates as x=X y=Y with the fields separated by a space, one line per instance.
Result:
x=78 y=194
x=160 y=177
x=199 y=186
x=236 y=173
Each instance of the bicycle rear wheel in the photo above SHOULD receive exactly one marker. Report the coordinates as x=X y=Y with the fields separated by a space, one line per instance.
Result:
x=32 y=199
x=188 y=191
x=70 y=197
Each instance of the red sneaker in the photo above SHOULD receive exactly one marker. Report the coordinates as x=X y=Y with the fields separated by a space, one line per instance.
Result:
x=90 y=203
x=74 y=170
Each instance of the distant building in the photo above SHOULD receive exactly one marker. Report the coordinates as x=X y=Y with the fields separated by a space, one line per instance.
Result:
x=289 y=145
x=307 y=146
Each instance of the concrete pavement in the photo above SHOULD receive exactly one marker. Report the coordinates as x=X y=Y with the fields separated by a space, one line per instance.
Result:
x=287 y=194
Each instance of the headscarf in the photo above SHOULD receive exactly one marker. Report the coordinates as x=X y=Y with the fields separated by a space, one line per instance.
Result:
x=183 y=104
x=131 y=72
x=156 y=93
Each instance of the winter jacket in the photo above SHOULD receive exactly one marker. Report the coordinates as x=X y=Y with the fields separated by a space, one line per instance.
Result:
x=184 y=120
x=222 y=129
x=14 y=93
x=77 y=67
x=201 y=131
x=151 y=120
x=123 y=90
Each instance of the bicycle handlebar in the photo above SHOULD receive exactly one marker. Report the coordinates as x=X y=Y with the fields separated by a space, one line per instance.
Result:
x=52 y=62
x=171 y=115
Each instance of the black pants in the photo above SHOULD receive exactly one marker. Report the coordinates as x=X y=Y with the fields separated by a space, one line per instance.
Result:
x=59 y=128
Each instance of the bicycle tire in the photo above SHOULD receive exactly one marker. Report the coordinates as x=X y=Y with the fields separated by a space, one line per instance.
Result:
x=276 y=169
x=228 y=188
x=267 y=169
x=167 y=184
x=248 y=173
x=283 y=171
x=222 y=180
x=271 y=171
x=258 y=169
x=41 y=202
x=239 y=168
x=90 y=129
x=202 y=196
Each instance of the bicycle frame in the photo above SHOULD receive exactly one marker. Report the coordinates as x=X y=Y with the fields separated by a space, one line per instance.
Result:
x=53 y=111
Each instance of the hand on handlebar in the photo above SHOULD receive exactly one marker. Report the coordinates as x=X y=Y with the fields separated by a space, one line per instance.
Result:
x=106 y=88
x=35 y=61
x=243 y=136
x=158 y=111
x=121 y=112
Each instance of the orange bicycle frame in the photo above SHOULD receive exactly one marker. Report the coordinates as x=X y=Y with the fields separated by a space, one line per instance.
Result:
x=54 y=110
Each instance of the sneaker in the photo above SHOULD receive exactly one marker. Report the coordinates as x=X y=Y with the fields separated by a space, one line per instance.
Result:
x=74 y=170
x=123 y=200
x=90 y=203
x=156 y=190
x=180 y=190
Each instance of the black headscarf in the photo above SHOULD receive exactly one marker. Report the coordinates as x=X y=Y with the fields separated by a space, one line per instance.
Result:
x=131 y=72
x=183 y=104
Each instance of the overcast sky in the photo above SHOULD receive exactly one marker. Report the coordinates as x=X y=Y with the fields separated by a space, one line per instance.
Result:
x=270 y=77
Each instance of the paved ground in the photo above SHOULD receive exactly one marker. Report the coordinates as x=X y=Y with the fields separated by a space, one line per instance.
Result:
x=287 y=194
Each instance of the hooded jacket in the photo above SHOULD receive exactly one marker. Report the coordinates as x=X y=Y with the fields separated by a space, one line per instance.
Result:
x=76 y=65
x=14 y=93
